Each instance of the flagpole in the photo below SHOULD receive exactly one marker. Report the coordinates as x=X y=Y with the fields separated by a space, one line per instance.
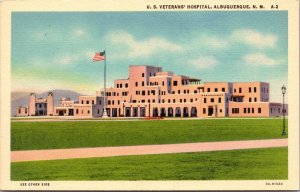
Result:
x=104 y=98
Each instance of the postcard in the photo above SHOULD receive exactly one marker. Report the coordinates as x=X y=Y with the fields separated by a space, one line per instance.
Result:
x=149 y=95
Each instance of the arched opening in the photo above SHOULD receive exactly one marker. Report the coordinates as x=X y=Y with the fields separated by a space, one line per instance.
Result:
x=185 y=112
x=155 y=112
x=170 y=112
x=142 y=112
x=134 y=112
x=194 y=112
x=177 y=112
x=114 y=112
x=127 y=112
x=163 y=112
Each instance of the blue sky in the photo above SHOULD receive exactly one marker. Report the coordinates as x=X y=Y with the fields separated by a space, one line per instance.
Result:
x=54 y=50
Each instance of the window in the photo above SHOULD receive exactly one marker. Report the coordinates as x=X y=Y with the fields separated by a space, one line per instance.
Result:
x=240 y=90
x=143 y=93
x=235 y=110
x=143 y=101
x=150 y=74
x=254 y=89
x=212 y=100
x=108 y=102
x=174 y=83
x=248 y=110
x=87 y=102
x=216 y=89
x=180 y=100
x=163 y=101
x=136 y=84
x=169 y=83
x=219 y=99
x=208 y=89
x=184 y=100
x=77 y=111
x=178 y=91
x=174 y=100
x=204 y=110
x=235 y=90
x=184 y=91
x=220 y=110
x=143 y=83
x=93 y=102
x=153 y=101
x=191 y=100
x=88 y=111
x=143 y=74
x=126 y=85
x=120 y=85
x=204 y=100
x=163 y=83
x=259 y=110
x=117 y=85
x=252 y=110
x=249 y=89
x=169 y=100
x=250 y=99
x=100 y=102
x=20 y=110
x=245 y=110
x=223 y=89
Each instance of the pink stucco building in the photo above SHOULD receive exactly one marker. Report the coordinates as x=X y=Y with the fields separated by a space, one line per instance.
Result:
x=150 y=91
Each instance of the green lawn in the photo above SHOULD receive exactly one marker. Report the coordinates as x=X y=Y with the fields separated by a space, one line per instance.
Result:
x=251 y=164
x=75 y=134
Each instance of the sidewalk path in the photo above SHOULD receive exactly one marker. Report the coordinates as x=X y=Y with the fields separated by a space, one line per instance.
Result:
x=52 y=154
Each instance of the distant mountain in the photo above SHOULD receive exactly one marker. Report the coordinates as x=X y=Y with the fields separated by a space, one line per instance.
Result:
x=22 y=98
x=17 y=95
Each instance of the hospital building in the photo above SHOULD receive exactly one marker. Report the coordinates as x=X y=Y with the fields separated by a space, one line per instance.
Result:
x=151 y=92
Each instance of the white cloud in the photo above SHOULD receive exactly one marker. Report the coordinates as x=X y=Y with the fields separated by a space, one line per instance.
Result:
x=215 y=42
x=255 y=38
x=203 y=62
x=144 y=47
x=259 y=59
x=79 y=32
x=68 y=59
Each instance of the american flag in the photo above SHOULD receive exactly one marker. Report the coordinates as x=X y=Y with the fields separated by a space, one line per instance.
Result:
x=99 y=56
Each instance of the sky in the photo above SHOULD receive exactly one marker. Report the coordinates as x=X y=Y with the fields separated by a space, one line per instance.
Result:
x=54 y=50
